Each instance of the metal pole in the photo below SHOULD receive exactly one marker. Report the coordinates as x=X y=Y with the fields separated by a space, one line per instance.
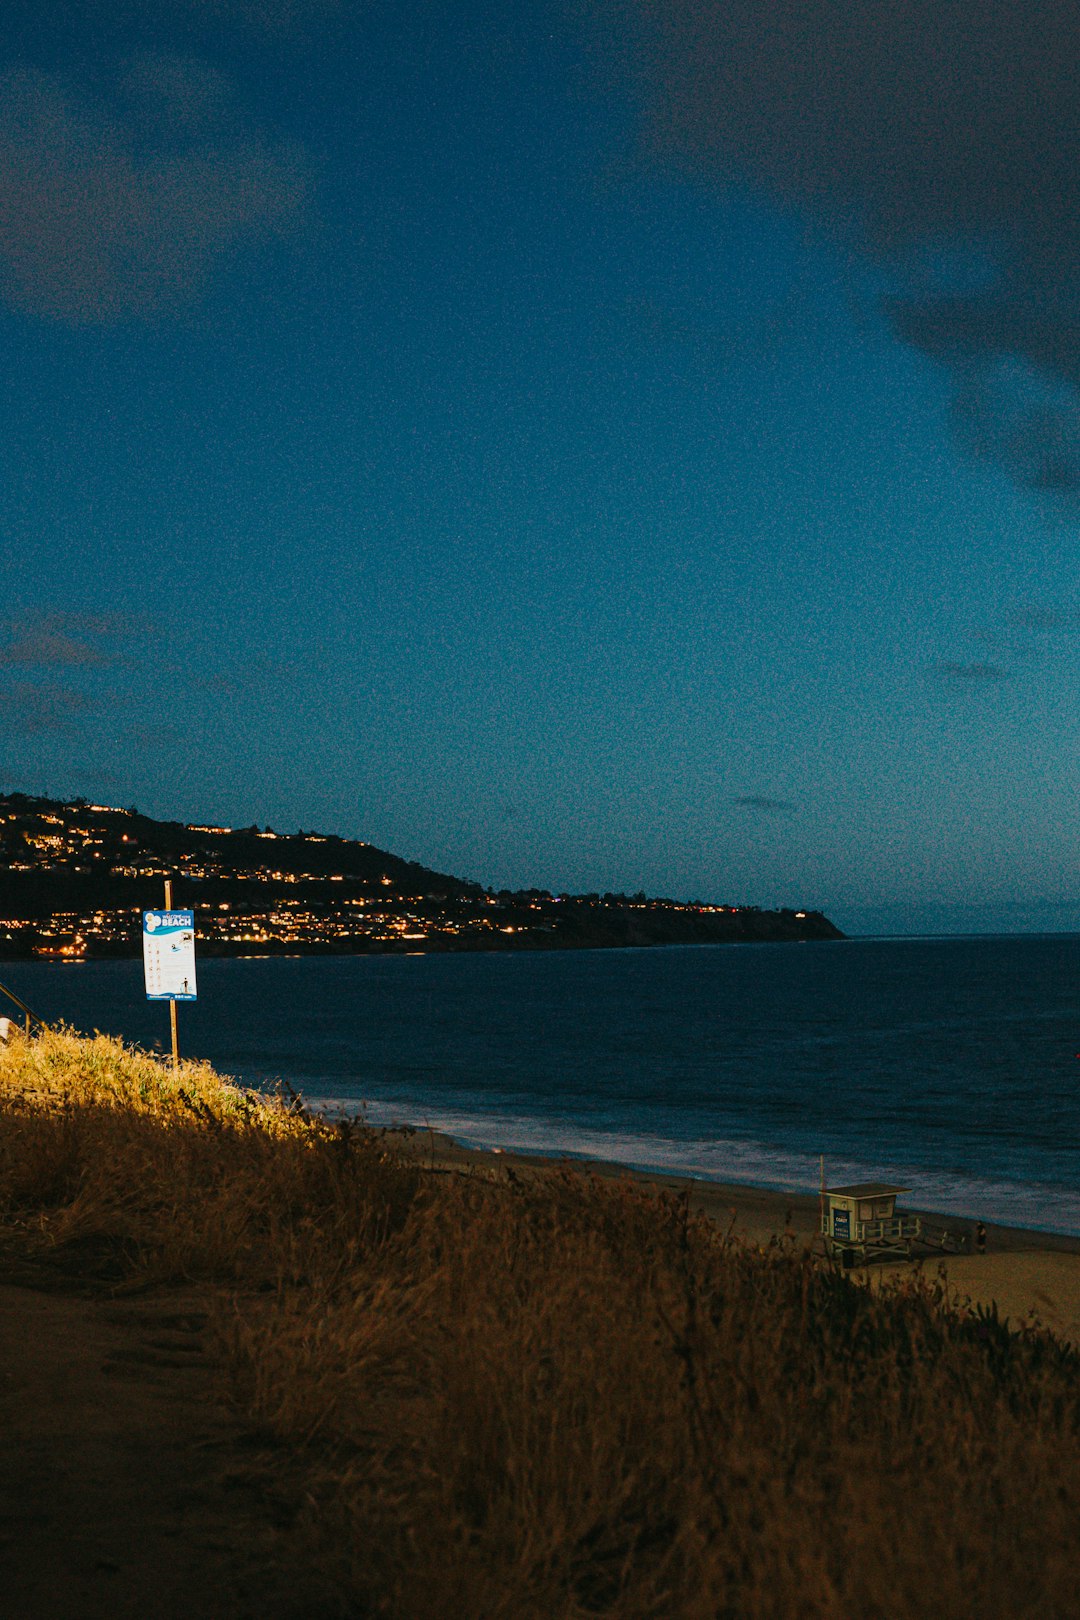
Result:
x=172 y=1004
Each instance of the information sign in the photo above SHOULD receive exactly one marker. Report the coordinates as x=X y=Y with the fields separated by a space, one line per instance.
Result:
x=169 y=955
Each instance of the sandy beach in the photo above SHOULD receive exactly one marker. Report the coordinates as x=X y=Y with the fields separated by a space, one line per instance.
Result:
x=1025 y=1273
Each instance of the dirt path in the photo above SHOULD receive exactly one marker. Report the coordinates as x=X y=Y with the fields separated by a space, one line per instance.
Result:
x=127 y=1490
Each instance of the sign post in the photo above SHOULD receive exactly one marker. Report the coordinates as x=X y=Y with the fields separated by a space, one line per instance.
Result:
x=169 y=959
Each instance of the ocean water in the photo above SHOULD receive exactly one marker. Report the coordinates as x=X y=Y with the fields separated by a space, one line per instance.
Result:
x=949 y=1065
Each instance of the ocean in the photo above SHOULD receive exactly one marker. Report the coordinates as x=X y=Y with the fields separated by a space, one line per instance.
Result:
x=948 y=1065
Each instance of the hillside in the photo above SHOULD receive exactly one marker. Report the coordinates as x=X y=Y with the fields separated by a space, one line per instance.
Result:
x=75 y=878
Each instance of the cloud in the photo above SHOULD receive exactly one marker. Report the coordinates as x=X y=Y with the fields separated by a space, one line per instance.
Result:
x=1008 y=413
x=217 y=684
x=123 y=204
x=149 y=738
x=1045 y=619
x=984 y=674
x=760 y=801
x=923 y=125
x=50 y=647
x=178 y=98
x=54 y=645
x=115 y=622
x=29 y=709
x=66 y=640
x=273 y=15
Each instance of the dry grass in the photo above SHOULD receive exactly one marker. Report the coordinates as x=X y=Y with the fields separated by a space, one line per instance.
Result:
x=564 y=1398
x=180 y=1173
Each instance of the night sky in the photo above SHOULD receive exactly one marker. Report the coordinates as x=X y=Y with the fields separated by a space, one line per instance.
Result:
x=599 y=446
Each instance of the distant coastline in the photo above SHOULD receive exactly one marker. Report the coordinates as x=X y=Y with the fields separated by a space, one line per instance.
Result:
x=603 y=927
x=75 y=878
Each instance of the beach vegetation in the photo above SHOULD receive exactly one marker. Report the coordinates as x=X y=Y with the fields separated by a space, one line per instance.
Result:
x=540 y=1395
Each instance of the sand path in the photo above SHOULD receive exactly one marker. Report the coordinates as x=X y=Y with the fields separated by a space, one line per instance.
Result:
x=127 y=1490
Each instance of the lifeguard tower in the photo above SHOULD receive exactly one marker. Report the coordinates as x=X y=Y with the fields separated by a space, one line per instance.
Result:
x=861 y=1223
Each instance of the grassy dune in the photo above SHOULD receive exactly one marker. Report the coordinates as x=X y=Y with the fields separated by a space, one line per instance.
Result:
x=557 y=1397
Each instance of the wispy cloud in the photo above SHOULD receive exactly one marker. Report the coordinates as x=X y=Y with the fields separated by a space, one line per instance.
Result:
x=1046 y=620
x=763 y=803
x=217 y=684
x=66 y=640
x=274 y=16
x=42 y=656
x=122 y=203
x=50 y=648
x=148 y=738
x=976 y=674
x=1007 y=412
x=28 y=708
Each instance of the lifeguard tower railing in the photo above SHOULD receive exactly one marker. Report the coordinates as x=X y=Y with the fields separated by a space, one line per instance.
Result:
x=903 y=1237
x=890 y=1234
x=30 y=1017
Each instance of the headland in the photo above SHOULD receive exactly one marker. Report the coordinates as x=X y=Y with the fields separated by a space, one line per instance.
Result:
x=75 y=878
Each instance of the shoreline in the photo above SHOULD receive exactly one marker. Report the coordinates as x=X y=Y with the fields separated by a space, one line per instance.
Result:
x=521 y=943
x=765 y=1204
x=1030 y=1276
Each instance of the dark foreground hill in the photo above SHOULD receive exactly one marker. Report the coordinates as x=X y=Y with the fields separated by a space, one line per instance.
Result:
x=75 y=878
x=274 y=1364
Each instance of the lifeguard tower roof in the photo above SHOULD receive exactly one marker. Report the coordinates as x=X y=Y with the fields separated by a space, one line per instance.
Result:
x=868 y=1189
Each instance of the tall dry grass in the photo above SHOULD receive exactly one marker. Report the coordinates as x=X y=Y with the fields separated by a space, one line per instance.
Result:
x=528 y=1400
x=178 y=1174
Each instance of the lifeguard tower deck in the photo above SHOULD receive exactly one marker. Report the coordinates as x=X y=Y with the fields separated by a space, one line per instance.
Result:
x=861 y=1223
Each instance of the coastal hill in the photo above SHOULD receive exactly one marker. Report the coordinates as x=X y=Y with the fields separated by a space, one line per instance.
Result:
x=75 y=878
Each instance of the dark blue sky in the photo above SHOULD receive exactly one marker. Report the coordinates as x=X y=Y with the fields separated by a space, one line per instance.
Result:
x=556 y=445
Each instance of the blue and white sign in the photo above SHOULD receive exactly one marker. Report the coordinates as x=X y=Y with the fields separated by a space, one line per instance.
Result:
x=169 y=955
